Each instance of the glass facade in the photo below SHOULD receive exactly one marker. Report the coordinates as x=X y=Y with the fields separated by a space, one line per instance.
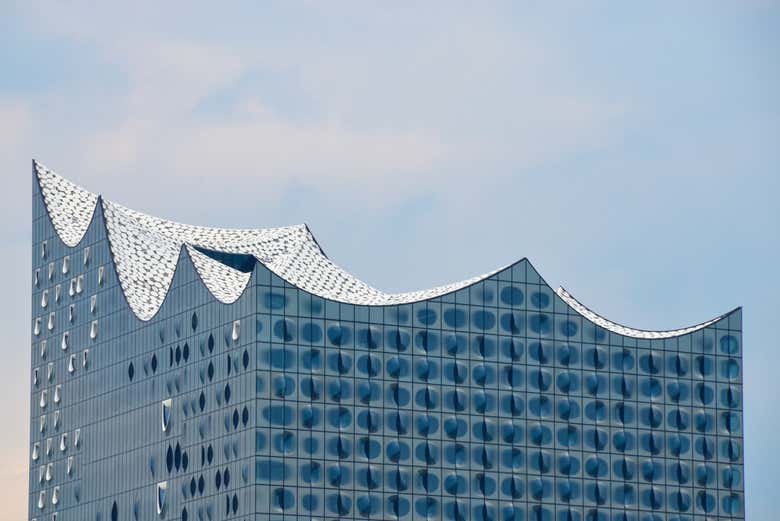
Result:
x=495 y=401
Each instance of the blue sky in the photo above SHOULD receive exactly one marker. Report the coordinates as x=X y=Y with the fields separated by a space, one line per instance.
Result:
x=630 y=151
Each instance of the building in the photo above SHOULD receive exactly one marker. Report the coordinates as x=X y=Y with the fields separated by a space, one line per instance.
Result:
x=199 y=374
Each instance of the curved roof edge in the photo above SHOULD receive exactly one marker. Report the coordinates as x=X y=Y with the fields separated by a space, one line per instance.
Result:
x=629 y=331
x=70 y=207
x=226 y=284
x=145 y=251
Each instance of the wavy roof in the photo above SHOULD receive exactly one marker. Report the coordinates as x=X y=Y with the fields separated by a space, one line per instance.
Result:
x=146 y=250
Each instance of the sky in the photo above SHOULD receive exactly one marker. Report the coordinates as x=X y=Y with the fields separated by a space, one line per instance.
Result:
x=630 y=150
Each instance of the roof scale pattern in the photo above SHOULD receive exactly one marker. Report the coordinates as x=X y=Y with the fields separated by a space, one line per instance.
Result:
x=70 y=207
x=225 y=283
x=146 y=251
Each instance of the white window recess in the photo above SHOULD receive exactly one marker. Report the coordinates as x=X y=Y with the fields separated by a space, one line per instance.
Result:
x=48 y=446
x=37 y=278
x=56 y=420
x=72 y=364
x=41 y=473
x=85 y=358
x=50 y=324
x=92 y=303
x=71 y=313
x=64 y=442
x=51 y=270
x=57 y=292
x=77 y=438
x=50 y=371
x=44 y=398
x=43 y=250
x=49 y=471
x=101 y=275
x=162 y=490
x=86 y=256
x=37 y=327
x=55 y=495
x=35 y=377
x=69 y=467
x=65 y=341
x=42 y=423
x=166 y=407
x=41 y=499
x=57 y=395
x=45 y=298
x=72 y=288
x=65 y=264
x=36 y=451
x=93 y=330
x=43 y=348
x=79 y=284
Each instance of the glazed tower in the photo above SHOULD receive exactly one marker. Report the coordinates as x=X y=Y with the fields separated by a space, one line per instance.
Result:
x=202 y=374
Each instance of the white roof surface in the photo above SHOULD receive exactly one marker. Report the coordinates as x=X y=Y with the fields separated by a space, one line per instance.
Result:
x=146 y=250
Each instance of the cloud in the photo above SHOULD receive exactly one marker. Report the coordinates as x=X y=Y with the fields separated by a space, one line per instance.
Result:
x=266 y=145
x=426 y=112
x=15 y=123
x=167 y=77
x=263 y=145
